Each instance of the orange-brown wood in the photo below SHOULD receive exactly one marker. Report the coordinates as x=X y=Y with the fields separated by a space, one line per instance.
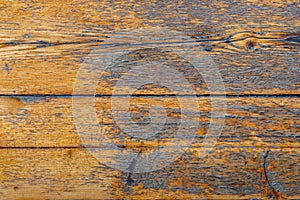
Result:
x=254 y=45
x=48 y=122
x=228 y=173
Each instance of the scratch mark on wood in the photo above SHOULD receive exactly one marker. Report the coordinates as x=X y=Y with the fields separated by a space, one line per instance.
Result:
x=285 y=108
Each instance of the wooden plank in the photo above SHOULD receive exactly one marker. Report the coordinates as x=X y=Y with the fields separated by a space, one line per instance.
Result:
x=229 y=173
x=43 y=45
x=254 y=46
x=49 y=122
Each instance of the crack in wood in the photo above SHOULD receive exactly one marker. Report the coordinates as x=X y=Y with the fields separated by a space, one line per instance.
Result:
x=264 y=167
x=43 y=44
x=272 y=191
x=129 y=179
x=293 y=39
x=153 y=95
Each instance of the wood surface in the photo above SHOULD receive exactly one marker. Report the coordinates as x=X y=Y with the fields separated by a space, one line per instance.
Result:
x=254 y=45
x=48 y=122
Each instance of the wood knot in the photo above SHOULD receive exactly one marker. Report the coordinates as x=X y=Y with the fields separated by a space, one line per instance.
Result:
x=250 y=45
x=70 y=153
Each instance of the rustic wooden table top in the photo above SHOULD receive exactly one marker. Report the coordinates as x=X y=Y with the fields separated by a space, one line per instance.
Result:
x=254 y=46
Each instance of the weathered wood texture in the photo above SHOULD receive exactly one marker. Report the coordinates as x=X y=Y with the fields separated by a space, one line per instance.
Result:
x=254 y=45
x=48 y=122
x=230 y=173
x=42 y=153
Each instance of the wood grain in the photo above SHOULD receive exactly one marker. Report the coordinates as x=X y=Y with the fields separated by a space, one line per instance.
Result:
x=41 y=152
x=48 y=122
x=43 y=45
x=230 y=173
x=254 y=46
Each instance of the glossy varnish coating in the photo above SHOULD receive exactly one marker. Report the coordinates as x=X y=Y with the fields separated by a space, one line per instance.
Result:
x=255 y=46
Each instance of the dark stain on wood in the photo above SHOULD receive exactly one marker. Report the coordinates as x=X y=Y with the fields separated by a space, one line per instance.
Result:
x=7 y=68
x=293 y=39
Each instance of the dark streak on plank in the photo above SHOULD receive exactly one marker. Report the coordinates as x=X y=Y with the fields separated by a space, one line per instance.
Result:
x=44 y=44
